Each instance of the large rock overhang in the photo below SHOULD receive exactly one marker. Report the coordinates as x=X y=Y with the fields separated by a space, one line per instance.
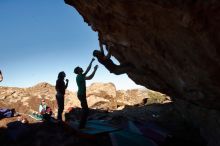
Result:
x=173 y=44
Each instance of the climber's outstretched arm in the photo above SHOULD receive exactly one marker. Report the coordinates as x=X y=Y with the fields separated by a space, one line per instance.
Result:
x=92 y=74
x=108 y=56
x=101 y=46
x=89 y=67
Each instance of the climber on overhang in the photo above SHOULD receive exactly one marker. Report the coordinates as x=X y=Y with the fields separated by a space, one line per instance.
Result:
x=108 y=63
x=1 y=76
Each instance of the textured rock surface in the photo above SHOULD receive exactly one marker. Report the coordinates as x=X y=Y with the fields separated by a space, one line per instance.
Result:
x=99 y=96
x=105 y=90
x=25 y=100
x=173 y=44
x=105 y=96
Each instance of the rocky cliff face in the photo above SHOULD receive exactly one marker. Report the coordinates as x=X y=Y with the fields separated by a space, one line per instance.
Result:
x=117 y=107
x=174 y=46
x=99 y=96
x=26 y=100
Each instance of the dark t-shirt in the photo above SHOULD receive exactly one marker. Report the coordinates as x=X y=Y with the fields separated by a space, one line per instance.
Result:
x=60 y=86
x=81 y=83
x=108 y=63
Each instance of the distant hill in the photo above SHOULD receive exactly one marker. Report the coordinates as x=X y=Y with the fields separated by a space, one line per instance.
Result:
x=99 y=96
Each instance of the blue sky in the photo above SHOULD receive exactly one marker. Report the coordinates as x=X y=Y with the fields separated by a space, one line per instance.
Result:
x=40 y=38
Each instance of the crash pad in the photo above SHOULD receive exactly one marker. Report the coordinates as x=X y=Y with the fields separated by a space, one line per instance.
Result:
x=94 y=127
x=36 y=117
x=125 y=137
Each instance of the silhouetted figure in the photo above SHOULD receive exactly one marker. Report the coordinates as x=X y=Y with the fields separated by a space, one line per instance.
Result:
x=1 y=76
x=109 y=64
x=81 y=83
x=60 y=88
